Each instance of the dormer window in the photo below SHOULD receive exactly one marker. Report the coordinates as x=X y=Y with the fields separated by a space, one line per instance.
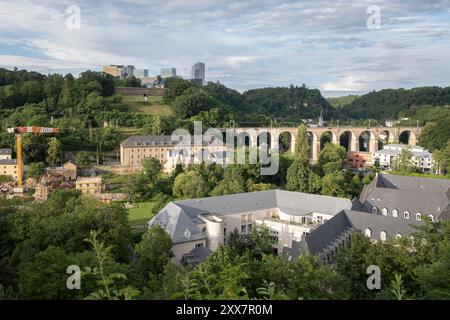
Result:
x=187 y=233
x=431 y=217
x=418 y=216
x=384 y=211
x=383 y=235
x=398 y=236
x=368 y=233
x=374 y=210
x=395 y=213
x=406 y=215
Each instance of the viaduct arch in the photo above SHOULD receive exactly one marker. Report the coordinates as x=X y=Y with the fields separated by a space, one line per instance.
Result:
x=375 y=134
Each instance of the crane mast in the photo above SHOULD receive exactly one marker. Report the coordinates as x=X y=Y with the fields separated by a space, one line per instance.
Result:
x=18 y=131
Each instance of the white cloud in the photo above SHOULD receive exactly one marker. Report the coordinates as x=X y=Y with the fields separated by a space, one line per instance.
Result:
x=321 y=43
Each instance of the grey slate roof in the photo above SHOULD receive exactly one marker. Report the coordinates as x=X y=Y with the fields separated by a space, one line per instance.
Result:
x=325 y=234
x=178 y=215
x=403 y=193
x=8 y=161
x=175 y=222
x=160 y=140
x=5 y=151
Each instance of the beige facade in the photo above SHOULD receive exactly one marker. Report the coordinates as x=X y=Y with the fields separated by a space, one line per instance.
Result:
x=115 y=71
x=8 y=167
x=89 y=185
x=135 y=149
x=68 y=171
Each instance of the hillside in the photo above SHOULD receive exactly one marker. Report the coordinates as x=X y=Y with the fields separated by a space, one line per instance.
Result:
x=135 y=103
x=340 y=102
x=293 y=103
x=394 y=103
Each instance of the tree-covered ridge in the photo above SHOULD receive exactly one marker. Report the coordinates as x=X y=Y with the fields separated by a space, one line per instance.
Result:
x=293 y=103
x=394 y=103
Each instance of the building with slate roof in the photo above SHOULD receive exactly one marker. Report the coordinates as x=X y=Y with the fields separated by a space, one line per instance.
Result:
x=206 y=222
x=137 y=148
x=389 y=207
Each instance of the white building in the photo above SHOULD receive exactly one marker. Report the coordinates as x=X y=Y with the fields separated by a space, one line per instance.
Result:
x=421 y=157
x=207 y=222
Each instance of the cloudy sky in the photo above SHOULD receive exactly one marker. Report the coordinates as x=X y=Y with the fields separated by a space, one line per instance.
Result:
x=244 y=44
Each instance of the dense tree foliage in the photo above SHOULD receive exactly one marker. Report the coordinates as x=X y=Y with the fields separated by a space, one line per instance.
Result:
x=393 y=103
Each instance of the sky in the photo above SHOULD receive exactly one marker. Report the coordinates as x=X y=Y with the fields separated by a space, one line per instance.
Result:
x=339 y=47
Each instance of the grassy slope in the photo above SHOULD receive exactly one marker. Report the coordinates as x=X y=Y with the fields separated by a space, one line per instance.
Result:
x=154 y=105
x=342 y=101
x=139 y=216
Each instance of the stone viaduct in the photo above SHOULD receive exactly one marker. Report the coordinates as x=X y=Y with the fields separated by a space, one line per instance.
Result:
x=371 y=136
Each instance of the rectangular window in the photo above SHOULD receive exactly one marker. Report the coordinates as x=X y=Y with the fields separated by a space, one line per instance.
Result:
x=199 y=245
x=249 y=227
x=243 y=228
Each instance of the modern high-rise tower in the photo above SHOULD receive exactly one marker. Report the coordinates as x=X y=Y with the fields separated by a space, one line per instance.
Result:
x=168 y=72
x=198 y=72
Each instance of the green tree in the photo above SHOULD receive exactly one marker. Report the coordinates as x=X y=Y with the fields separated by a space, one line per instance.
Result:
x=54 y=152
x=403 y=162
x=191 y=102
x=331 y=159
x=153 y=253
x=37 y=170
x=190 y=185
x=82 y=158
x=152 y=169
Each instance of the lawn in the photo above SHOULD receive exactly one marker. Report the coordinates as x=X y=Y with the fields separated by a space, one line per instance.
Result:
x=139 y=216
x=154 y=105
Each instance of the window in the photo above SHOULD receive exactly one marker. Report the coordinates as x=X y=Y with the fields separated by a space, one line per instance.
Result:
x=398 y=236
x=418 y=216
x=197 y=245
x=368 y=233
x=406 y=215
x=249 y=227
x=243 y=228
x=395 y=213
x=384 y=211
x=431 y=217
x=187 y=233
x=374 y=210
x=383 y=235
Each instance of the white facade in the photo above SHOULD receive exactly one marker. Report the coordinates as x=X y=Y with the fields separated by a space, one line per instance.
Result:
x=421 y=157
x=185 y=158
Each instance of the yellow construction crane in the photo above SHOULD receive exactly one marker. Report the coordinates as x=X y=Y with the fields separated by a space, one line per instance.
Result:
x=18 y=131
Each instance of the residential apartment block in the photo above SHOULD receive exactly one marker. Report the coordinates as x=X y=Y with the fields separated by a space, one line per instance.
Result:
x=421 y=157
x=168 y=72
x=136 y=148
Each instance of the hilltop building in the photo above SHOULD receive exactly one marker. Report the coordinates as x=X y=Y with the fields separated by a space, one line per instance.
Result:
x=168 y=72
x=119 y=71
x=198 y=73
x=141 y=73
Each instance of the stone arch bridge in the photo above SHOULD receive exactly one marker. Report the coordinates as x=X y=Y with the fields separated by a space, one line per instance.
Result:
x=373 y=136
